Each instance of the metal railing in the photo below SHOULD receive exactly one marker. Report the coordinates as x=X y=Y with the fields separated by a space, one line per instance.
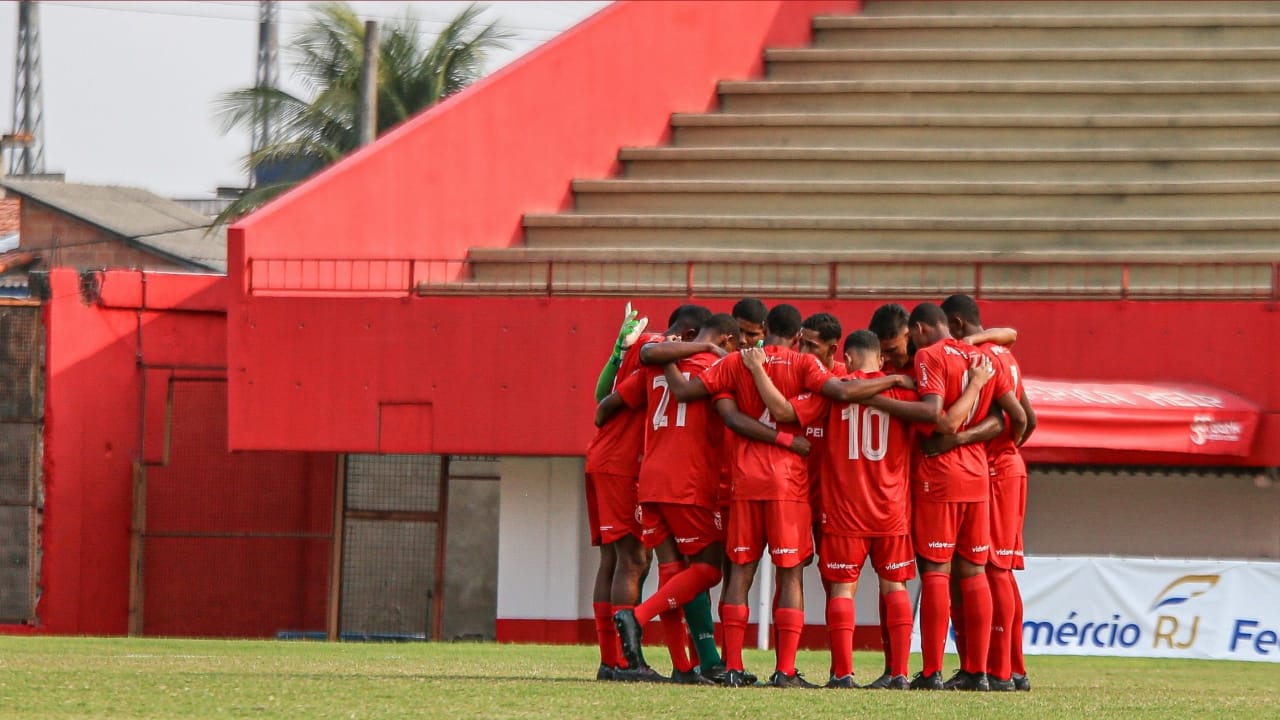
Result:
x=824 y=279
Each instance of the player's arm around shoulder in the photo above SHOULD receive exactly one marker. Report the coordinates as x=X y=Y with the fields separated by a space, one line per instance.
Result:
x=753 y=359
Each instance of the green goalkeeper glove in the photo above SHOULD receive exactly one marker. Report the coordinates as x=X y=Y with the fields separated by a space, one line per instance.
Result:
x=628 y=334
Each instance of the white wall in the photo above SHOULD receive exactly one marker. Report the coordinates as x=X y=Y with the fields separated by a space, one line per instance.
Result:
x=546 y=565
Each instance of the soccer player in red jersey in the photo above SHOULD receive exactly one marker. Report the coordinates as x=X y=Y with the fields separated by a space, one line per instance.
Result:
x=950 y=520
x=865 y=505
x=820 y=335
x=679 y=482
x=1008 y=500
x=750 y=314
x=770 y=487
x=889 y=323
x=612 y=472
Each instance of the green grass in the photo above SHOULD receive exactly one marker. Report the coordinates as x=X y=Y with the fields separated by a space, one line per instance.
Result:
x=143 y=678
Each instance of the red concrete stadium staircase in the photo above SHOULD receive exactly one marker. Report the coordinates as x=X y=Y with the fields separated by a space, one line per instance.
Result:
x=1076 y=135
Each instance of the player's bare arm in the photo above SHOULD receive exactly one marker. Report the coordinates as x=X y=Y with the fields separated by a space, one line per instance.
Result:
x=683 y=389
x=995 y=336
x=779 y=407
x=608 y=407
x=1015 y=416
x=980 y=373
x=752 y=429
x=1031 y=418
x=661 y=353
x=991 y=426
x=855 y=390
x=926 y=411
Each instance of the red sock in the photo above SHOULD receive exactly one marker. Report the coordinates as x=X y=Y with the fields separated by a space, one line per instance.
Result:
x=617 y=641
x=957 y=617
x=840 y=631
x=789 y=622
x=673 y=634
x=885 y=635
x=977 y=623
x=897 y=620
x=734 y=620
x=667 y=609
x=998 y=658
x=677 y=585
x=1017 y=663
x=606 y=633
x=935 y=608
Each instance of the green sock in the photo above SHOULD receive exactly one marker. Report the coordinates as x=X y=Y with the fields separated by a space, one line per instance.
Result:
x=697 y=614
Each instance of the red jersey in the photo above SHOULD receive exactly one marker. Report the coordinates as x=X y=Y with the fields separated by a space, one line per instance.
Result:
x=816 y=433
x=891 y=369
x=682 y=441
x=866 y=481
x=960 y=474
x=764 y=471
x=1003 y=456
x=619 y=443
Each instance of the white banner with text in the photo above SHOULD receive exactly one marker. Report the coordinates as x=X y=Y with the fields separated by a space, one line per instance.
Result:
x=1133 y=607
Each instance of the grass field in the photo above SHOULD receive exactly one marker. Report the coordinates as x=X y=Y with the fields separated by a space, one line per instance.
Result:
x=137 y=678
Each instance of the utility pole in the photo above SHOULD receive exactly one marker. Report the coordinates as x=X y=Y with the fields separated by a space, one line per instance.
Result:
x=28 y=100
x=367 y=122
x=268 y=76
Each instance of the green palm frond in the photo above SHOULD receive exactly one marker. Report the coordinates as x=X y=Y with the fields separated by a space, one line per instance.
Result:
x=327 y=56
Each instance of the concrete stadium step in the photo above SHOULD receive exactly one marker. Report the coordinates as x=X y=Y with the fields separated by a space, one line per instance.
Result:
x=1086 y=95
x=972 y=130
x=680 y=270
x=1060 y=27
x=936 y=199
x=1132 y=64
x=1130 y=234
x=1062 y=135
x=933 y=165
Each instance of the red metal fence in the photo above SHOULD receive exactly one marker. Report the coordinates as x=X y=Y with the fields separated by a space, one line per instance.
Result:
x=835 y=279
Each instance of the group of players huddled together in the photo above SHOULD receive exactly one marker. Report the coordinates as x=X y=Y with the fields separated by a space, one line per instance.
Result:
x=731 y=433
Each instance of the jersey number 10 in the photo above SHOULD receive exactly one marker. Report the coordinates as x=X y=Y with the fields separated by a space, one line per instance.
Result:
x=868 y=432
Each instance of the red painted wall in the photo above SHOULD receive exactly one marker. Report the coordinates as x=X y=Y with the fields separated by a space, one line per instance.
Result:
x=463 y=173
x=99 y=418
x=516 y=375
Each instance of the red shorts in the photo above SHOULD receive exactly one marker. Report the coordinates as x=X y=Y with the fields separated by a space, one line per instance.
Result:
x=841 y=557
x=943 y=529
x=783 y=525
x=692 y=527
x=1008 y=510
x=611 y=507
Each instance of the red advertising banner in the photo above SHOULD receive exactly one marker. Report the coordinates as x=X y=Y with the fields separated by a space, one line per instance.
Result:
x=1163 y=418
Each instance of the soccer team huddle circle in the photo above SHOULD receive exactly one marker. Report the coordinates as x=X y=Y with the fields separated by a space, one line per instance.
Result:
x=729 y=435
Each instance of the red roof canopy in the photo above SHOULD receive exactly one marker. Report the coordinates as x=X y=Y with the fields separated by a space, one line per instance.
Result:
x=1143 y=417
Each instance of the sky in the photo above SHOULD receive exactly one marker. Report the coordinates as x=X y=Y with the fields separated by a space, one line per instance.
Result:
x=130 y=87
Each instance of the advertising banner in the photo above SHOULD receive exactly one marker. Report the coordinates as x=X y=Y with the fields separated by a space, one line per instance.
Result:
x=1185 y=419
x=1131 y=607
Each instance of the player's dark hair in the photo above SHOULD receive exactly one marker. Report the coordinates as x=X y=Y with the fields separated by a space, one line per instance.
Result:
x=750 y=309
x=963 y=307
x=825 y=324
x=688 y=317
x=927 y=314
x=861 y=340
x=783 y=321
x=721 y=324
x=888 y=321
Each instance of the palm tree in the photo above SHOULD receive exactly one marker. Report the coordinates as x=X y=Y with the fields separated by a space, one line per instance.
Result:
x=312 y=133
